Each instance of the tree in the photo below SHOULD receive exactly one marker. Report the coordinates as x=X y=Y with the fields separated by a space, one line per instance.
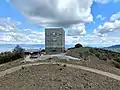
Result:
x=18 y=49
x=43 y=50
x=78 y=45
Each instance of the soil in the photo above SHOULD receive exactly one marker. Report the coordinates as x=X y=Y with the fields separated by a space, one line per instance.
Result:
x=56 y=77
x=12 y=64
x=92 y=63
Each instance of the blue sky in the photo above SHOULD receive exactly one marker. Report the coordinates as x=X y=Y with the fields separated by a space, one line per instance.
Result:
x=90 y=22
x=7 y=9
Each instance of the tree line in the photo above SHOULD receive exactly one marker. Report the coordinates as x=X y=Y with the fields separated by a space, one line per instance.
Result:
x=17 y=53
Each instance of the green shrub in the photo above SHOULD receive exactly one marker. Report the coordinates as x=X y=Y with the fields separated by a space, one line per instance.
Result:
x=117 y=59
x=17 y=53
x=78 y=46
x=104 y=58
x=97 y=55
x=86 y=53
x=70 y=48
x=9 y=56
x=80 y=55
x=116 y=64
x=91 y=50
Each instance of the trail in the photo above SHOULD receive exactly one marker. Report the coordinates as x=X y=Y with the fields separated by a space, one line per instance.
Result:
x=103 y=73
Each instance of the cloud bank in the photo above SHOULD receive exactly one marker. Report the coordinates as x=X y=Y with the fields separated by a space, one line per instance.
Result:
x=69 y=14
x=10 y=33
x=57 y=13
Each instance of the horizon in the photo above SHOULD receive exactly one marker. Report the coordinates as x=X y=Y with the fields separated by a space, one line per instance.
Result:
x=10 y=47
x=94 y=23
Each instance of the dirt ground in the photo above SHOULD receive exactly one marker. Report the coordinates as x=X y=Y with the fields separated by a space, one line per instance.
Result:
x=93 y=63
x=12 y=64
x=55 y=77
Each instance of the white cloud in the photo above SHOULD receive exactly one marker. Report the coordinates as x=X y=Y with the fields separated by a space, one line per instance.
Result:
x=107 y=27
x=56 y=13
x=23 y=37
x=9 y=33
x=29 y=36
x=100 y=17
x=102 y=1
x=115 y=16
x=93 y=40
x=77 y=30
x=7 y=24
x=105 y=1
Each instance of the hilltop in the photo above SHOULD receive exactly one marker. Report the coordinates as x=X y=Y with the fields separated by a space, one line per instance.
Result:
x=63 y=77
x=97 y=58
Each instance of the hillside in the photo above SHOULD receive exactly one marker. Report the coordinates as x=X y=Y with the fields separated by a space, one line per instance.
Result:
x=97 y=58
x=63 y=76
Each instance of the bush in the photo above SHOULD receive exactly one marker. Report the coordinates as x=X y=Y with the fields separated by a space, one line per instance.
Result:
x=116 y=64
x=104 y=58
x=70 y=48
x=91 y=50
x=78 y=46
x=117 y=59
x=18 y=49
x=43 y=50
x=97 y=55
x=80 y=55
x=11 y=56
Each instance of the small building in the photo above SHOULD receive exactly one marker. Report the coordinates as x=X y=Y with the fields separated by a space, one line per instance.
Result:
x=32 y=51
x=54 y=40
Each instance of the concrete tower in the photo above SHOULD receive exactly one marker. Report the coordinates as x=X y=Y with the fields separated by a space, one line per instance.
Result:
x=54 y=40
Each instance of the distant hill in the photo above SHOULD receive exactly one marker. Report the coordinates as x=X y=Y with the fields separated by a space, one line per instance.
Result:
x=114 y=46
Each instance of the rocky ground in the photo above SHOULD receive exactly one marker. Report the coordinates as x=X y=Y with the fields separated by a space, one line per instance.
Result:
x=56 y=77
x=93 y=63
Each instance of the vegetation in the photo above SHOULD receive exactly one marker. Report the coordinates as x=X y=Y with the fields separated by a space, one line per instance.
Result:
x=116 y=64
x=43 y=50
x=11 y=56
x=18 y=49
x=98 y=53
x=71 y=48
x=78 y=45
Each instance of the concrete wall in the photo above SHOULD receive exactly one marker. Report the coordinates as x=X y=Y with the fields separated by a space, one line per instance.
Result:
x=54 y=39
x=54 y=50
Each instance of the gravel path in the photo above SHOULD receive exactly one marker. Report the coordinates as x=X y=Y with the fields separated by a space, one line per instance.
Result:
x=116 y=77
